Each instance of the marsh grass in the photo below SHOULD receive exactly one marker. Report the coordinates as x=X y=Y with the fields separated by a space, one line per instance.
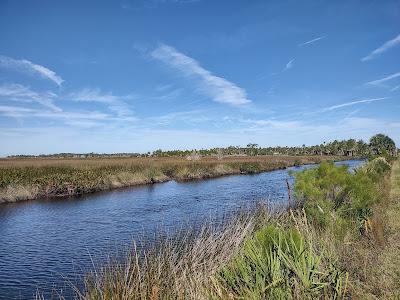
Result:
x=24 y=179
x=177 y=267
x=251 y=255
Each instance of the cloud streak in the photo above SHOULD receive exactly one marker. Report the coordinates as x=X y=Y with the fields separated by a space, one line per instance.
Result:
x=354 y=103
x=29 y=67
x=20 y=93
x=217 y=88
x=277 y=124
x=379 y=82
x=385 y=47
x=312 y=41
x=289 y=65
x=395 y=88
x=114 y=103
x=79 y=119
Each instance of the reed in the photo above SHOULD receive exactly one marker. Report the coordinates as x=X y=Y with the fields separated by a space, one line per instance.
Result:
x=24 y=179
x=177 y=267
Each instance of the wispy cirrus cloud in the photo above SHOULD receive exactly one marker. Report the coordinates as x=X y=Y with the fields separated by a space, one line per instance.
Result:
x=289 y=65
x=219 y=89
x=78 y=119
x=21 y=93
x=277 y=124
x=312 y=41
x=385 y=47
x=27 y=66
x=115 y=103
x=379 y=82
x=354 y=103
x=188 y=117
x=395 y=88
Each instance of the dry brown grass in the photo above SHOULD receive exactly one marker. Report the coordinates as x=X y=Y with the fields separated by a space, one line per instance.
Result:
x=30 y=178
x=153 y=161
x=373 y=261
x=178 y=267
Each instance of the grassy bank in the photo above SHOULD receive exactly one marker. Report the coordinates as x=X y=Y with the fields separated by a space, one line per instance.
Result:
x=342 y=241
x=24 y=179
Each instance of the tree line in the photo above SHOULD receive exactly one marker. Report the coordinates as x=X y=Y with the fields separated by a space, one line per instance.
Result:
x=379 y=144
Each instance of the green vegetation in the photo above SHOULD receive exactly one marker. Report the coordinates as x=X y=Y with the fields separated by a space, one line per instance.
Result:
x=329 y=192
x=279 y=263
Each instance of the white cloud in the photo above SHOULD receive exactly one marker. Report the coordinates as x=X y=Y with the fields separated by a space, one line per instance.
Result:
x=218 y=88
x=395 y=88
x=312 y=41
x=27 y=66
x=277 y=124
x=289 y=65
x=23 y=112
x=189 y=117
x=82 y=119
x=385 y=47
x=382 y=80
x=12 y=110
x=115 y=103
x=18 y=92
x=354 y=103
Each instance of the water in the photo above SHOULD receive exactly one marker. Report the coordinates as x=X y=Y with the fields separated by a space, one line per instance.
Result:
x=45 y=242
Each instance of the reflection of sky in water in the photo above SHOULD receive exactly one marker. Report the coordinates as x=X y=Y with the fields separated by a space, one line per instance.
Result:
x=41 y=241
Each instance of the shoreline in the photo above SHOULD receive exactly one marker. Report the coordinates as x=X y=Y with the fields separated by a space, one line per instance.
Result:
x=139 y=174
x=260 y=255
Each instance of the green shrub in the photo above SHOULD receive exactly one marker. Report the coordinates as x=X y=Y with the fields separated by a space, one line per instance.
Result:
x=297 y=163
x=329 y=192
x=280 y=264
x=375 y=167
x=249 y=168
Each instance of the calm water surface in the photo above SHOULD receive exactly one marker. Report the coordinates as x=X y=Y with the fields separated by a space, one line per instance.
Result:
x=43 y=242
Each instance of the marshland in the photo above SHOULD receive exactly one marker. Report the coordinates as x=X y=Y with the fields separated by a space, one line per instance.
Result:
x=300 y=227
x=30 y=177
x=26 y=179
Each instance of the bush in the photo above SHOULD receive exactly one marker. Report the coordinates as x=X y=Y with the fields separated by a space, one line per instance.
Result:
x=376 y=167
x=329 y=192
x=280 y=264
x=297 y=163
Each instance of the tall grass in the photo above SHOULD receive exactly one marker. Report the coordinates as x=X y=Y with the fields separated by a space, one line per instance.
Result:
x=23 y=179
x=177 y=267
x=254 y=255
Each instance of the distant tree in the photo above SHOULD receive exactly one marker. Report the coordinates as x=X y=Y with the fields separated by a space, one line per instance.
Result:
x=252 y=149
x=250 y=145
x=382 y=144
x=158 y=152
x=220 y=154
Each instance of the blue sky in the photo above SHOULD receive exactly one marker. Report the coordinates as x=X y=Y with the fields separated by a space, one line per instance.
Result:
x=134 y=76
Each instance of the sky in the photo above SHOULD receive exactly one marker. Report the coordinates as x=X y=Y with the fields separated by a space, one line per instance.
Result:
x=136 y=76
